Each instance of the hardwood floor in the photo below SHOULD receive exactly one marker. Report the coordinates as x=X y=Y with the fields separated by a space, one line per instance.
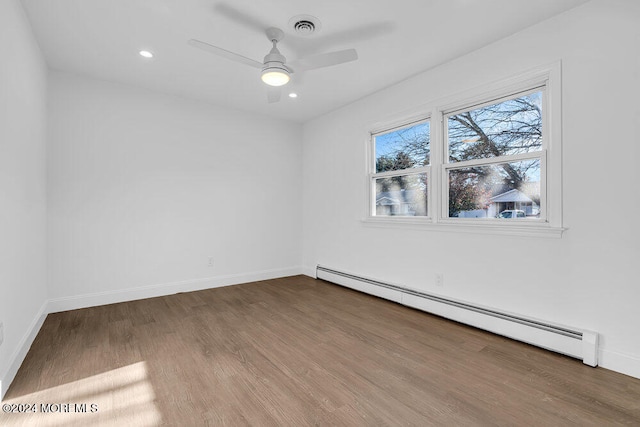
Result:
x=294 y=352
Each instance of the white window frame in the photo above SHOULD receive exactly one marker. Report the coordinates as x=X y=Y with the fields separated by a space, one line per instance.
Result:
x=534 y=155
x=548 y=80
x=373 y=175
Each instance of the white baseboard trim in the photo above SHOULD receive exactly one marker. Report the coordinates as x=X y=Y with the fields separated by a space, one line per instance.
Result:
x=142 y=292
x=309 y=271
x=101 y=298
x=22 y=349
x=624 y=363
x=574 y=342
x=619 y=362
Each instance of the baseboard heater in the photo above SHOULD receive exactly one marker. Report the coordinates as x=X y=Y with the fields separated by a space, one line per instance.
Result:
x=578 y=343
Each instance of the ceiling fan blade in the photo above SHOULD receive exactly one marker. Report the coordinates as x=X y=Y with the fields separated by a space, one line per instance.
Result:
x=225 y=53
x=273 y=94
x=240 y=17
x=323 y=60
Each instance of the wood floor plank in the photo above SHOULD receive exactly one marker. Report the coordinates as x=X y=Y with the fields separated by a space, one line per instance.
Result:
x=295 y=352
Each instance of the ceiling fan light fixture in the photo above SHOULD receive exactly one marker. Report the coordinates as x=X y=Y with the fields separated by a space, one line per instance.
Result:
x=274 y=72
x=275 y=76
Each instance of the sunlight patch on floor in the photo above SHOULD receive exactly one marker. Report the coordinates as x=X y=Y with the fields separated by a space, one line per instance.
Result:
x=122 y=396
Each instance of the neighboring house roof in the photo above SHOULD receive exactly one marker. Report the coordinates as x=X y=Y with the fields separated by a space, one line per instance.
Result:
x=396 y=197
x=511 y=196
x=387 y=201
x=531 y=189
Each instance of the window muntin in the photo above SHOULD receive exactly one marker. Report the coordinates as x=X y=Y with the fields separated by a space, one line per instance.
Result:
x=400 y=182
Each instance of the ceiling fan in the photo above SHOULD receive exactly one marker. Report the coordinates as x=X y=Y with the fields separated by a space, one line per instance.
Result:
x=276 y=71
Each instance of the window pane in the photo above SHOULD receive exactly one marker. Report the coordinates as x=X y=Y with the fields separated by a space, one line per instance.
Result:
x=404 y=195
x=507 y=128
x=504 y=190
x=403 y=148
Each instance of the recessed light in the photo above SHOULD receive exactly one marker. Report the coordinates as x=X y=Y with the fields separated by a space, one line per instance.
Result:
x=146 y=54
x=293 y=95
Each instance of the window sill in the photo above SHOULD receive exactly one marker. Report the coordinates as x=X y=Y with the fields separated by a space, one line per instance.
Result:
x=449 y=226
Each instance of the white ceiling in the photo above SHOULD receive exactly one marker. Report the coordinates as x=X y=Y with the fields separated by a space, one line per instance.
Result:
x=394 y=40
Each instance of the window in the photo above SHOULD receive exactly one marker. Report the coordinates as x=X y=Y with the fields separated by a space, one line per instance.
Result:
x=494 y=159
x=489 y=160
x=401 y=178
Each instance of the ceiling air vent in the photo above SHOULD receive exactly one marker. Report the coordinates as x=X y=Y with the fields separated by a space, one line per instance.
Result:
x=305 y=25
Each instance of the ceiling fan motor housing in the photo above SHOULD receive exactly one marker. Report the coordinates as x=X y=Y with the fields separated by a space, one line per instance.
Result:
x=275 y=65
x=274 y=57
x=274 y=72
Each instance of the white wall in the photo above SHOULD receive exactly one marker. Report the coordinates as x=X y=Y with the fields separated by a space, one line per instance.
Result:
x=144 y=187
x=589 y=277
x=22 y=187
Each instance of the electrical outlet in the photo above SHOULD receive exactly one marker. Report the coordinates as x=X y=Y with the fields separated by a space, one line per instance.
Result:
x=210 y=261
x=1 y=332
x=439 y=279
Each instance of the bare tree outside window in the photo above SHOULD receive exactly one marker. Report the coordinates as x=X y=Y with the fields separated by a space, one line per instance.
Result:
x=405 y=151
x=509 y=128
x=493 y=157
